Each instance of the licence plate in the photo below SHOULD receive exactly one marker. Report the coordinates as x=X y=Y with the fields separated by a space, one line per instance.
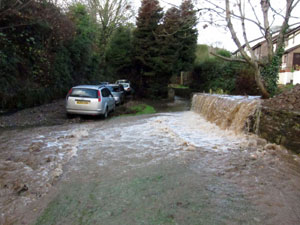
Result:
x=82 y=102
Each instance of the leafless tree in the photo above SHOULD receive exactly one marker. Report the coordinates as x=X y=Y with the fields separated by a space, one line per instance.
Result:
x=109 y=14
x=263 y=15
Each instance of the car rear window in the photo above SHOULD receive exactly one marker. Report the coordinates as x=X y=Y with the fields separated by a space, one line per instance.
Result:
x=114 y=88
x=125 y=85
x=105 y=92
x=84 y=92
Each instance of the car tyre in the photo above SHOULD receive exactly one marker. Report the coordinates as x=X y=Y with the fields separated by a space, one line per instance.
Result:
x=70 y=116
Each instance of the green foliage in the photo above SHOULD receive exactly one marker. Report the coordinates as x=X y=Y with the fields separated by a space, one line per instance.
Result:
x=148 y=63
x=245 y=82
x=169 y=41
x=62 y=72
x=188 y=34
x=44 y=50
x=178 y=86
x=202 y=53
x=224 y=52
x=44 y=57
x=270 y=72
x=119 y=54
x=218 y=76
x=24 y=64
x=221 y=76
x=82 y=48
x=143 y=109
x=163 y=46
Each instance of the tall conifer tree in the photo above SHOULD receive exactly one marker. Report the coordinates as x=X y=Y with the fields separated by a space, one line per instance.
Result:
x=188 y=34
x=146 y=46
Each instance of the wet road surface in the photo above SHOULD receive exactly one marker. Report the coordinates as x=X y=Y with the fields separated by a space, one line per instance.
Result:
x=167 y=168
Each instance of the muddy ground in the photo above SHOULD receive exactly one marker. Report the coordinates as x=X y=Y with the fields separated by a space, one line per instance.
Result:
x=288 y=100
x=55 y=114
x=51 y=114
x=166 y=168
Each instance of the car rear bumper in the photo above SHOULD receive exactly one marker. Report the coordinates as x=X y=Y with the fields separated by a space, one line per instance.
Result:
x=85 y=112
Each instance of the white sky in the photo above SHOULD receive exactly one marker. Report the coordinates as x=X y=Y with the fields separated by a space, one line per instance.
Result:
x=220 y=37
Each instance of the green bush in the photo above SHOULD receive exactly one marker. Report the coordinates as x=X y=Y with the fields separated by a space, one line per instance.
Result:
x=41 y=60
x=231 y=77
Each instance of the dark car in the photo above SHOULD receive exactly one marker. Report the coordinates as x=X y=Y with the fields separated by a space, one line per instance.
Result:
x=118 y=92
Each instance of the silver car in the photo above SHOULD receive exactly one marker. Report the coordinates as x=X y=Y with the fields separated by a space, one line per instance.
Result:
x=118 y=92
x=90 y=100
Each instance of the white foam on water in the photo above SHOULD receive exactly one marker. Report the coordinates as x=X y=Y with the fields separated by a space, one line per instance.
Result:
x=190 y=128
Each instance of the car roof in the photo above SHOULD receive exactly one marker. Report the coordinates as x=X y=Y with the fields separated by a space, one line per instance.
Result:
x=90 y=86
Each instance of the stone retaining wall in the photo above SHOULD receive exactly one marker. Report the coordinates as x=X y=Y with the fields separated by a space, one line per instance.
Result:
x=280 y=127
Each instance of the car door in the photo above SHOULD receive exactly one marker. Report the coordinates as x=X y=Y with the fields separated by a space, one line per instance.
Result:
x=108 y=98
x=111 y=100
x=122 y=93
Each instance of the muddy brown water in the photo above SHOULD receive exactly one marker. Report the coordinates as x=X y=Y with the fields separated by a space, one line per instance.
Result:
x=166 y=168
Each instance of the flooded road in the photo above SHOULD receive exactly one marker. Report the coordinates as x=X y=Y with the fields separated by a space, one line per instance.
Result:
x=167 y=168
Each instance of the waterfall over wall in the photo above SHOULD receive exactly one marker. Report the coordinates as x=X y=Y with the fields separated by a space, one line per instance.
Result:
x=236 y=113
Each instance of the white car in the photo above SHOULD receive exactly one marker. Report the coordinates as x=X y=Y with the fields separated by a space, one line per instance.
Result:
x=90 y=100
x=127 y=88
x=123 y=81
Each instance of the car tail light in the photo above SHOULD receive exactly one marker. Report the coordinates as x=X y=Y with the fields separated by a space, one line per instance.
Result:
x=99 y=96
x=69 y=93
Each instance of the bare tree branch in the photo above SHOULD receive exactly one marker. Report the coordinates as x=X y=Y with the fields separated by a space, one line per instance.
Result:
x=223 y=11
x=244 y=31
x=233 y=33
x=256 y=17
x=228 y=59
x=265 y=6
x=284 y=26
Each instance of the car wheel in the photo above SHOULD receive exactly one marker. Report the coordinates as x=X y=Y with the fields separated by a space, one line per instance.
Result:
x=70 y=116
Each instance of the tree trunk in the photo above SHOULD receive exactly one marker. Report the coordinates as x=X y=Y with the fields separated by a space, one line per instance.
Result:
x=259 y=82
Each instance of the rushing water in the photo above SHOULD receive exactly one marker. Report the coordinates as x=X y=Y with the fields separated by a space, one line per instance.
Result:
x=168 y=168
x=228 y=112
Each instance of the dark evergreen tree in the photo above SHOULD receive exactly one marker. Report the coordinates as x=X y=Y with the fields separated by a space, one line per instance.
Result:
x=118 y=55
x=188 y=35
x=170 y=41
x=147 y=51
x=178 y=37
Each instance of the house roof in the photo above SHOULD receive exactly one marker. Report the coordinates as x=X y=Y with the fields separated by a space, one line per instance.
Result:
x=291 y=31
x=291 y=49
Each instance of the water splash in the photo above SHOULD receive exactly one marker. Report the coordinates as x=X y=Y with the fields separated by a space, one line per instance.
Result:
x=228 y=112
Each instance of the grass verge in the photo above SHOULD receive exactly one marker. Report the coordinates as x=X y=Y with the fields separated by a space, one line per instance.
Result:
x=179 y=86
x=142 y=109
